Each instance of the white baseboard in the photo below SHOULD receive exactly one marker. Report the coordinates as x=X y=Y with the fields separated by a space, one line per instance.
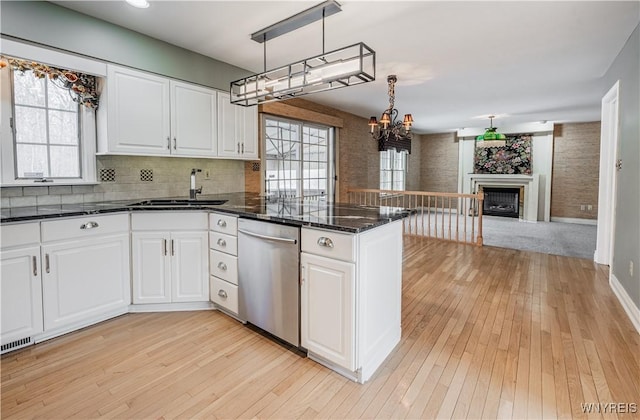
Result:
x=629 y=307
x=170 y=307
x=592 y=222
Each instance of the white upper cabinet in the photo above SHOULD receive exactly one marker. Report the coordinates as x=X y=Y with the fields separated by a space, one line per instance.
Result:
x=237 y=130
x=137 y=114
x=147 y=114
x=193 y=120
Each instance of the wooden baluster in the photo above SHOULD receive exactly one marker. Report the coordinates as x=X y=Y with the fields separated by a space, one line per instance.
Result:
x=473 y=212
x=442 y=222
x=422 y=214
x=428 y=215
x=465 y=215
x=457 y=218
x=449 y=218
x=480 y=206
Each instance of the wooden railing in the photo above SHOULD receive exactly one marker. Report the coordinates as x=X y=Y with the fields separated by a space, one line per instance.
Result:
x=446 y=216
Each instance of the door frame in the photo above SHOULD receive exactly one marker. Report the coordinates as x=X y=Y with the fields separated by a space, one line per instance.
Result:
x=607 y=190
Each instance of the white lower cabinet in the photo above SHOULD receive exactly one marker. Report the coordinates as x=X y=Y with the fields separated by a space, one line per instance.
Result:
x=223 y=261
x=20 y=285
x=327 y=297
x=169 y=257
x=85 y=271
x=350 y=301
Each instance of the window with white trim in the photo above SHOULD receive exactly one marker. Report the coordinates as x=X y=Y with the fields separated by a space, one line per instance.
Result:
x=48 y=125
x=46 y=128
x=393 y=170
x=298 y=158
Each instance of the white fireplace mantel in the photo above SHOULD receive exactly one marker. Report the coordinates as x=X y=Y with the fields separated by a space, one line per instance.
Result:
x=529 y=182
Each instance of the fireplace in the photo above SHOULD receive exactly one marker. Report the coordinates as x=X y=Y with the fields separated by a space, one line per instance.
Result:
x=501 y=202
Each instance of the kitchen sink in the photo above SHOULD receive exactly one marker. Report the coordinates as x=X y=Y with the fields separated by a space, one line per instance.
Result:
x=162 y=202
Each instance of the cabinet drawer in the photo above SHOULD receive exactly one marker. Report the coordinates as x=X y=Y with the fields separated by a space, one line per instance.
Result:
x=224 y=266
x=222 y=242
x=169 y=221
x=327 y=243
x=224 y=294
x=223 y=223
x=20 y=234
x=84 y=227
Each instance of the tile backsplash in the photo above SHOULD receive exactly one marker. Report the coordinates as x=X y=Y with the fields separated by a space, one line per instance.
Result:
x=133 y=177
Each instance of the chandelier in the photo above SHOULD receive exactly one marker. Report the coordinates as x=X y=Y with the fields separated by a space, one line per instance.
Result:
x=491 y=133
x=347 y=66
x=389 y=128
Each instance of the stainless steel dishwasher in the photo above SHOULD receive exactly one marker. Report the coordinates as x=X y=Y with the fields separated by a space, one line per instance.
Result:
x=268 y=273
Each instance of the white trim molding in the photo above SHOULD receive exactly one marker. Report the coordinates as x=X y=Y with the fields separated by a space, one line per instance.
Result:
x=607 y=178
x=627 y=304
x=529 y=182
x=592 y=222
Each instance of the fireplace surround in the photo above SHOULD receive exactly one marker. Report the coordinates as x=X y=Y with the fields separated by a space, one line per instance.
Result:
x=529 y=184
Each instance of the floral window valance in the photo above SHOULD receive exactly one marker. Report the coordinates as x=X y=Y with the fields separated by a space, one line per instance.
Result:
x=81 y=87
x=512 y=157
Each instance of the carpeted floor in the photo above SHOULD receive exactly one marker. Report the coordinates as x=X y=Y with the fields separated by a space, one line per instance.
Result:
x=568 y=239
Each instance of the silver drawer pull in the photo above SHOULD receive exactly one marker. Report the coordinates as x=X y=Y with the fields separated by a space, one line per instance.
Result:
x=222 y=294
x=35 y=266
x=222 y=266
x=89 y=225
x=324 y=241
x=222 y=223
x=221 y=242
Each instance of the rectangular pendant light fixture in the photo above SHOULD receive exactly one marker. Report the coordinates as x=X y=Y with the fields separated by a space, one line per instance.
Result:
x=347 y=66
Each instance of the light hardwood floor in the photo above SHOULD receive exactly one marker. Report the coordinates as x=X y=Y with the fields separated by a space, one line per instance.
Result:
x=486 y=333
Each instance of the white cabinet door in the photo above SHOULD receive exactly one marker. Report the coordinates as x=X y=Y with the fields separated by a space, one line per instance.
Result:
x=189 y=268
x=249 y=146
x=138 y=113
x=151 y=267
x=237 y=130
x=327 y=309
x=21 y=294
x=84 y=279
x=228 y=135
x=193 y=120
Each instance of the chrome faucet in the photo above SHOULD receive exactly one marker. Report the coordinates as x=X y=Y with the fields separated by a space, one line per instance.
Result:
x=193 y=190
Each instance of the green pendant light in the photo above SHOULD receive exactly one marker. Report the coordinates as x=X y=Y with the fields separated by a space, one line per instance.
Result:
x=491 y=133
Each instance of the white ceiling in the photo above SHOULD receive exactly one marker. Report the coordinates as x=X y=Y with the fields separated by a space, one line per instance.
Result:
x=454 y=60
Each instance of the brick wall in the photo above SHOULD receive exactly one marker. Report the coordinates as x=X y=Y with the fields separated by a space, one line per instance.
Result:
x=439 y=166
x=576 y=162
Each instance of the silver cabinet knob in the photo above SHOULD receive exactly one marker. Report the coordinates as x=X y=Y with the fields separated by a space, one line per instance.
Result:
x=221 y=242
x=89 y=225
x=222 y=266
x=326 y=242
x=222 y=223
x=222 y=294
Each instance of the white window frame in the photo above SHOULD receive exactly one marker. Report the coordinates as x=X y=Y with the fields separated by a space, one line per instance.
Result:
x=393 y=170
x=87 y=116
x=331 y=161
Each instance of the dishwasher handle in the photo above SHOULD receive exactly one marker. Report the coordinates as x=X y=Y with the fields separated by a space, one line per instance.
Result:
x=269 y=238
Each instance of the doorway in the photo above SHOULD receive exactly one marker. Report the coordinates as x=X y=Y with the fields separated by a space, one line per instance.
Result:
x=608 y=177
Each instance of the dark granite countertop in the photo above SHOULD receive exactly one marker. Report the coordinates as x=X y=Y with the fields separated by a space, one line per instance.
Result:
x=292 y=211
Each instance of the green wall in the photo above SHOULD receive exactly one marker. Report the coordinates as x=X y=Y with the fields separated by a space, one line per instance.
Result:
x=626 y=68
x=55 y=26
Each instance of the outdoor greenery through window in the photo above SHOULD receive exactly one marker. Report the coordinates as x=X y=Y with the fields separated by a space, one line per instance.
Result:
x=47 y=127
x=298 y=159
x=393 y=170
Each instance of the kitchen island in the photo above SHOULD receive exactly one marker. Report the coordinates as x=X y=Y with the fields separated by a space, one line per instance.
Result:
x=350 y=268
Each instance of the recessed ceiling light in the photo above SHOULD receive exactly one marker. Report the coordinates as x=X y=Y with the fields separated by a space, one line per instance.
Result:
x=140 y=4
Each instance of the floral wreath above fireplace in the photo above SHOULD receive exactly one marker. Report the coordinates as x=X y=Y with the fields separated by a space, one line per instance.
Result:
x=511 y=156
